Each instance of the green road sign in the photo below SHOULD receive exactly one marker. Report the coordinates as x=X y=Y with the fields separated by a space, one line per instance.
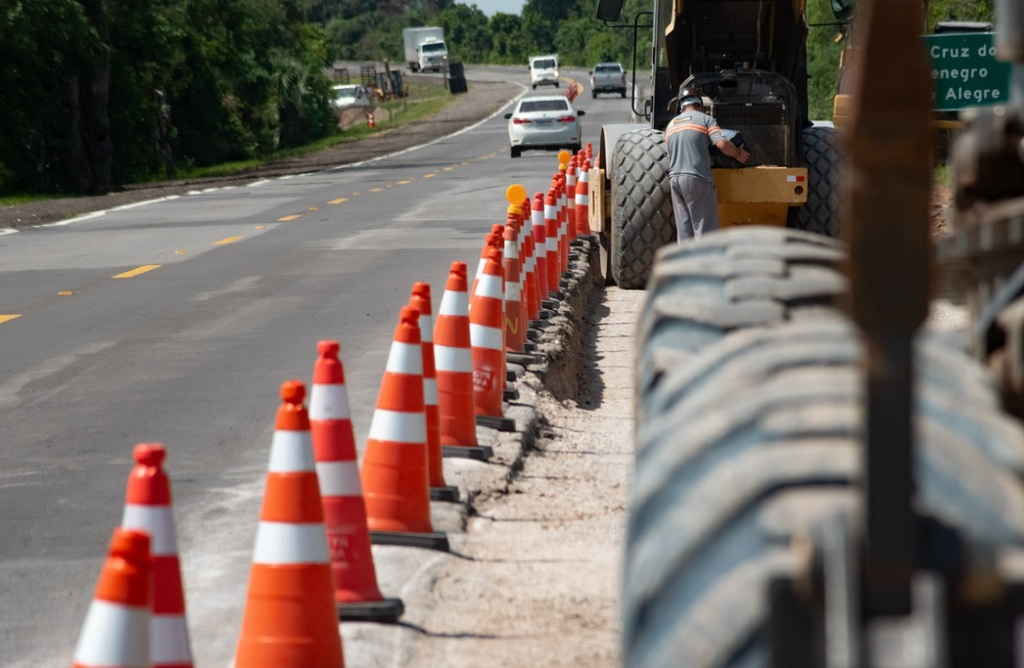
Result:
x=966 y=72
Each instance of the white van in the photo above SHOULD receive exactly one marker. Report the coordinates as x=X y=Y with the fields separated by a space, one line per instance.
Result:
x=544 y=71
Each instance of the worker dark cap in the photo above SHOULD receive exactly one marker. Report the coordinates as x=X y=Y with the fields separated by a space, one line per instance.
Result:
x=689 y=95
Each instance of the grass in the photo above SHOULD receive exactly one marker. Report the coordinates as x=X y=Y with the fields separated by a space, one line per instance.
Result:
x=422 y=100
x=11 y=200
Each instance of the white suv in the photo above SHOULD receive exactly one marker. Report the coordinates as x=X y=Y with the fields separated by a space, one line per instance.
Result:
x=544 y=71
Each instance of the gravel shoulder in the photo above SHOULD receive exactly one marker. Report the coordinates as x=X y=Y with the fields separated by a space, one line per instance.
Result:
x=482 y=100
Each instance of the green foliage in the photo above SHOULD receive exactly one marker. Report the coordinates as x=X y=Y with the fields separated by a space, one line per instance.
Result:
x=100 y=92
x=113 y=91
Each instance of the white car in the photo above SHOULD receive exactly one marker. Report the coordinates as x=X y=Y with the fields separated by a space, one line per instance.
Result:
x=547 y=122
x=350 y=95
x=544 y=71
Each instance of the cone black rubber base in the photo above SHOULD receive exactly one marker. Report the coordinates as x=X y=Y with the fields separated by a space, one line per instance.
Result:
x=499 y=423
x=436 y=540
x=446 y=493
x=529 y=346
x=550 y=304
x=481 y=453
x=532 y=335
x=385 y=611
x=524 y=359
x=510 y=376
x=510 y=394
x=543 y=314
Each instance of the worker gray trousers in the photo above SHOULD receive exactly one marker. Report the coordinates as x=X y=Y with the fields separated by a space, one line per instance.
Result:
x=695 y=204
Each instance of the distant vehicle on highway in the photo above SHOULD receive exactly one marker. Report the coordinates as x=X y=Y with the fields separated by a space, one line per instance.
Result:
x=608 y=78
x=548 y=122
x=544 y=71
x=350 y=95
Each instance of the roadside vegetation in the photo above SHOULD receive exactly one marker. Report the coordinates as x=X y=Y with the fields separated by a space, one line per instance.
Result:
x=99 y=93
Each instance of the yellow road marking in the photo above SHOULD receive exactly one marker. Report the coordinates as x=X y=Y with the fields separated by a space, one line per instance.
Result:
x=404 y=183
x=313 y=208
x=138 y=270
x=285 y=219
x=376 y=190
x=181 y=252
x=338 y=201
x=260 y=227
x=65 y=293
x=10 y=316
x=448 y=169
x=228 y=240
x=356 y=194
x=429 y=176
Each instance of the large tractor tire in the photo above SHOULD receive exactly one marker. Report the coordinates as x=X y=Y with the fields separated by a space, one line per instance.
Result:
x=734 y=278
x=822 y=157
x=642 y=219
x=750 y=446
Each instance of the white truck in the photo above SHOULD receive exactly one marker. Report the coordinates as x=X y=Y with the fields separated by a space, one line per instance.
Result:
x=425 y=49
x=544 y=70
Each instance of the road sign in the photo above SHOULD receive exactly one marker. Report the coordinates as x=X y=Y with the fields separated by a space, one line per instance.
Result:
x=966 y=72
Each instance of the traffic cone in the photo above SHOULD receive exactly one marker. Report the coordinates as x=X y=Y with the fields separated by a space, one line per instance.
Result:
x=356 y=593
x=583 y=201
x=570 y=191
x=563 y=223
x=486 y=317
x=116 y=630
x=148 y=508
x=394 y=470
x=439 y=489
x=290 y=619
x=554 y=269
x=540 y=236
x=369 y=121
x=532 y=300
x=454 y=360
x=493 y=239
x=515 y=321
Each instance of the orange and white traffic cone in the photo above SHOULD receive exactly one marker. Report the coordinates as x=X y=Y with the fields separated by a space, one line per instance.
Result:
x=540 y=236
x=554 y=263
x=493 y=239
x=148 y=508
x=356 y=592
x=370 y=123
x=486 y=318
x=439 y=489
x=290 y=618
x=394 y=473
x=515 y=321
x=531 y=300
x=116 y=630
x=563 y=223
x=571 y=178
x=454 y=360
x=583 y=201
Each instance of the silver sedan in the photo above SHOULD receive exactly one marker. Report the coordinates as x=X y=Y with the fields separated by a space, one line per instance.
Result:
x=547 y=122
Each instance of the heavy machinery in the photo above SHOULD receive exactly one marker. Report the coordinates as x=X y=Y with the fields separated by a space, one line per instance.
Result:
x=747 y=57
x=821 y=479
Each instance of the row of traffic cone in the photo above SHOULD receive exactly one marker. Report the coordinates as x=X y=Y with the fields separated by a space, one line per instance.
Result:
x=312 y=561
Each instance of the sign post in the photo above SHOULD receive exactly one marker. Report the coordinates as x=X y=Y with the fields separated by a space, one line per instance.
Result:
x=965 y=71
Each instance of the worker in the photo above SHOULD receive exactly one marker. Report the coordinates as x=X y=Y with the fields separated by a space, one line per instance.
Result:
x=690 y=136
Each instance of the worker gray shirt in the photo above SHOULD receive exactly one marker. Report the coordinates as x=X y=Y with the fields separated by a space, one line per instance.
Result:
x=690 y=136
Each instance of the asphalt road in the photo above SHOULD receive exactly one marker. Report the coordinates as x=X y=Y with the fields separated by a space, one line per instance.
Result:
x=175 y=322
